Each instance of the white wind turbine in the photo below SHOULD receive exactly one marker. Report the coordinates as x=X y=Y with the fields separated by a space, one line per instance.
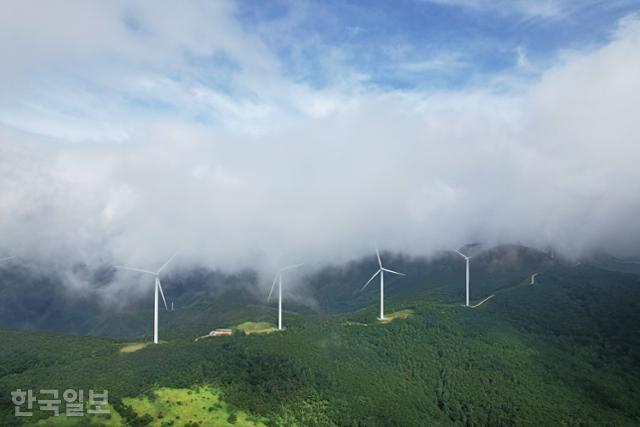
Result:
x=381 y=271
x=158 y=287
x=278 y=279
x=467 y=258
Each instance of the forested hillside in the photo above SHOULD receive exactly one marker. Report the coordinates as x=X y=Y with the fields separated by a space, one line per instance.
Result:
x=564 y=351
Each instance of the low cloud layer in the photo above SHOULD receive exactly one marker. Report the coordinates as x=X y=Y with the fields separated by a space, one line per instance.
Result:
x=551 y=164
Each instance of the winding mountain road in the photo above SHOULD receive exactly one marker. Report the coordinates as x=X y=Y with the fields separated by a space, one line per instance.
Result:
x=483 y=301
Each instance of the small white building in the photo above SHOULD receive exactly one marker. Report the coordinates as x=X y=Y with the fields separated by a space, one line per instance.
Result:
x=221 y=332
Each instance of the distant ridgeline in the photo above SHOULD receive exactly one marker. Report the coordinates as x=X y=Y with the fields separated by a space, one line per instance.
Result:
x=564 y=351
x=204 y=298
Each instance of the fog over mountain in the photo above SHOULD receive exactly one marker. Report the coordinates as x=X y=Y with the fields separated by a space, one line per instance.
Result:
x=123 y=146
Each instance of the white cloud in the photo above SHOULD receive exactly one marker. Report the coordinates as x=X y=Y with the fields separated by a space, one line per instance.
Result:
x=521 y=58
x=293 y=172
x=72 y=66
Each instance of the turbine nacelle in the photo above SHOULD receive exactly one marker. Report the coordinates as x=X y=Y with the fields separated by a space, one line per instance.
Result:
x=156 y=274
x=466 y=258
x=279 y=276
x=158 y=288
x=381 y=271
x=278 y=279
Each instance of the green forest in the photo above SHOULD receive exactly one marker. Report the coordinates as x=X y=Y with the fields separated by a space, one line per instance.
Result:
x=565 y=351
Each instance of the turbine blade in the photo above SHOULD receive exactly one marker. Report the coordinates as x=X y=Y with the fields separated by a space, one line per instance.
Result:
x=369 y=281
x=275 y=279
x=394 y=272
x=378 y=255
x=290 y=267
x=166 y=263
x=461 y=254
x=162 y=294
x=6 y=258
x=122 y=267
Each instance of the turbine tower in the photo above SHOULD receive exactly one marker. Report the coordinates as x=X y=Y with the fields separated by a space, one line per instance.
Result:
x=467 y=258
x=158 y=288
x=278 y=279
x=381 y=271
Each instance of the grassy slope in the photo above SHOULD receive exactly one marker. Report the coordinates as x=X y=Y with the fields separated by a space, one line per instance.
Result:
x=202 y=405
x=256 y=327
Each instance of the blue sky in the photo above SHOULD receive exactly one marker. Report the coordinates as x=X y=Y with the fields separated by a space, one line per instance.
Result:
x=417 y=43
x=221 y=63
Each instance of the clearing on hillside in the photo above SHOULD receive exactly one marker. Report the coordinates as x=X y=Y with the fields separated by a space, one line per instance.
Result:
x=200 y=406
x=401 y=314
x=132 y=347
x=256 y=327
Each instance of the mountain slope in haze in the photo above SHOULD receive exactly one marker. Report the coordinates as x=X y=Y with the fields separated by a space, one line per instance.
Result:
x=561 y=352
x=33 y=298
x=441 y=278
x=40 y=300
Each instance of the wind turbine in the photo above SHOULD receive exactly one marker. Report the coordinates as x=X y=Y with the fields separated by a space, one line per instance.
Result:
x=467 y=258
x=278 y=279
x=158 y=287
x=381 y=271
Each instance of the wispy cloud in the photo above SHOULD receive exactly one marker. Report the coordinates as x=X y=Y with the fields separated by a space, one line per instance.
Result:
x=541 y=8
x=442 y=62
